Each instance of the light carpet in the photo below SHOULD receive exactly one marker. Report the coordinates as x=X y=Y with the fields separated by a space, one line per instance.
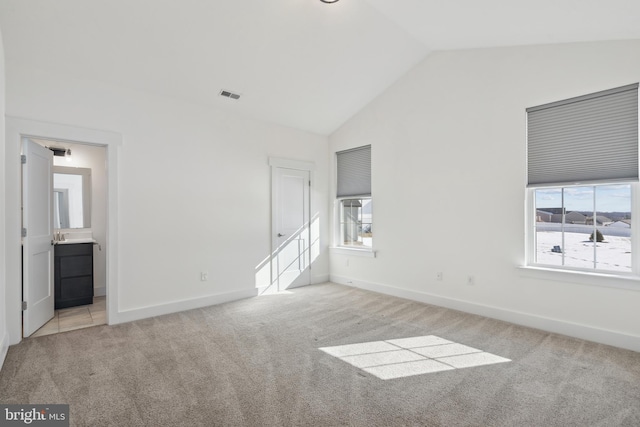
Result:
x=257 y=362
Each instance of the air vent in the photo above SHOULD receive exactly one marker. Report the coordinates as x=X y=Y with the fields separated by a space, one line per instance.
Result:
x=228 y=94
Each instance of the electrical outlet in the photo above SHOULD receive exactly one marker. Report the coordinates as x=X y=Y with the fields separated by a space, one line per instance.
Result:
x=204 y=276
x=439 y=276
x=471 y=281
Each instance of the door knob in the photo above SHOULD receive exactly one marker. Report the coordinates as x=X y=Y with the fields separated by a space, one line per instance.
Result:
x=280 y=235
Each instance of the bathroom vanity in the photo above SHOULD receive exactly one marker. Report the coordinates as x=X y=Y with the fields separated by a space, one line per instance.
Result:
x=73 y=277
x=73 y=252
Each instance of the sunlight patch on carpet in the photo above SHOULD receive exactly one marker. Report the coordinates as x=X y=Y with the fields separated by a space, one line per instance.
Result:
x=406 y=357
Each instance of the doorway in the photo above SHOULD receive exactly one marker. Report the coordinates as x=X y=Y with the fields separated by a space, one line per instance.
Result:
x=16 y=130
x=291 y=229
x=78 y=223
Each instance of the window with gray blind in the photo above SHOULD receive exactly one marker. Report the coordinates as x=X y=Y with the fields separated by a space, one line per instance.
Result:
x=591 y=138
x=354 y=172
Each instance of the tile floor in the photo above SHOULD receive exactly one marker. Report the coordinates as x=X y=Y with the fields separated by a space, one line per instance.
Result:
x=72 y=318
x=405 y=357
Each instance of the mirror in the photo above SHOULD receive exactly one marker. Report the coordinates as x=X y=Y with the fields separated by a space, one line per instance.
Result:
x=71 y=197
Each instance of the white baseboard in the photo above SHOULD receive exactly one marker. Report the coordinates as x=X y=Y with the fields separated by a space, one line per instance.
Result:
x=315 y=280
x=320 y=278
x=589 y=333
x=177 y=306
x=100 y=292
x=4 y=347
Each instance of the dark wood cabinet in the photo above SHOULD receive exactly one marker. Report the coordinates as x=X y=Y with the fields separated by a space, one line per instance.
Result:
x=73 y=275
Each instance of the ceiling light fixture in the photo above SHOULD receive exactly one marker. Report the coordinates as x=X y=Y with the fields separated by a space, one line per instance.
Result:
x=58 y=151
x=329 y=1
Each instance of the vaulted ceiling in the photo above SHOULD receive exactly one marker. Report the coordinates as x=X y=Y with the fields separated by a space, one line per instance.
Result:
x=299 y=63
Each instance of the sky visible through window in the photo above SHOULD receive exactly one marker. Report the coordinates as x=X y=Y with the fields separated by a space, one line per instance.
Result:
x=565 y=227
x=609 y=198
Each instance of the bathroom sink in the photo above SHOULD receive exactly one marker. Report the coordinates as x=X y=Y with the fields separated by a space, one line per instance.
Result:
x=79 y=240
x=70 y=237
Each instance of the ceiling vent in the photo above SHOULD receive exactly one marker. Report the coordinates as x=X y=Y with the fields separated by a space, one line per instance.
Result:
x=228 y=94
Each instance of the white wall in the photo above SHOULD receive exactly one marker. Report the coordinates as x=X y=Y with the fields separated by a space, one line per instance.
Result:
x=4 y=335
x=94 y=158
x=448 y=148
x=193 y=187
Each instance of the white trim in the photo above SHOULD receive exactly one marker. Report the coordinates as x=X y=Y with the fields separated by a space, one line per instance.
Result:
x=343 y=250
x=178 y=306
x=100 y=292
x=603 y=336
x=627 y=282
x=297 y=285
x=292 y=164
x=315 y=280
x=17 y=128
x=321 y=278
x=635 y=225
x=4 y=348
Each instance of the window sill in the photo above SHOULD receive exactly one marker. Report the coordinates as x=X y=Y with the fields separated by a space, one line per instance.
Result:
x=606 y=280
x=343 y=250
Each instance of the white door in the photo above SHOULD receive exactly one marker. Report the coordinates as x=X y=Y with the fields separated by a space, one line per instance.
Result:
x=37 y=245
x=291 y=256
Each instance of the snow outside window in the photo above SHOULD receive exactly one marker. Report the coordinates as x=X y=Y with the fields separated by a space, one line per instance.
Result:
x=585 y=227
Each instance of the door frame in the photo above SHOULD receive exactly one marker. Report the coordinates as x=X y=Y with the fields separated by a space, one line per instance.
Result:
x=16 y=129
x=275 y=163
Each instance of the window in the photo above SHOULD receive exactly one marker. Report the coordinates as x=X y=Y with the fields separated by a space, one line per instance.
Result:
x=584 y=227
x=354 y=198
x=355 y=222
x=582 y=158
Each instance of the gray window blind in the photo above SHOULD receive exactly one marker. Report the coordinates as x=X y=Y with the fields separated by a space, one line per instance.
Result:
x=585 y=139
x=354 y=172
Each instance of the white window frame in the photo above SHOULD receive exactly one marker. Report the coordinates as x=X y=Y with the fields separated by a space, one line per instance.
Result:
x=341 y=230
x=598 y=175
x=338 y=247
x=592 y=277
x=607 y=278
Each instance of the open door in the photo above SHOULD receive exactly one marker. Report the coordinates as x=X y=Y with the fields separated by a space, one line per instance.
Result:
x=291 y=257
x=37 y=242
